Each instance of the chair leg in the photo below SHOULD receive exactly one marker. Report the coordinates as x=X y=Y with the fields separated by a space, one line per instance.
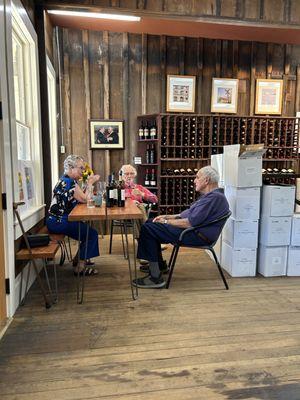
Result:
x=172 y=264
x=68 y=249
x=22 y=301
x=123 y=228
x=219 y=268
x=111 y=235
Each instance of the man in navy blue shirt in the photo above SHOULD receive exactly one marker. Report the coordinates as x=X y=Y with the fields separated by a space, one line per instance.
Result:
x=167 y=228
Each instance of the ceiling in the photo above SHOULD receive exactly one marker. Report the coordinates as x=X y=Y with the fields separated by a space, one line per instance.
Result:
x=229 y=30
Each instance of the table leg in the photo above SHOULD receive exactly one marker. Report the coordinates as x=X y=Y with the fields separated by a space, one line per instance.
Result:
x=80 y=296
x=134 y=289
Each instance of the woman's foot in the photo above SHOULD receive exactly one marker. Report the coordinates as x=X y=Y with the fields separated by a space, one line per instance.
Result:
x=89 y=263
x=82 y=269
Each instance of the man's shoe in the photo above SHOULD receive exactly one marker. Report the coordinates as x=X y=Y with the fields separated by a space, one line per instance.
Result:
x=148 y=282
x=143 y=262
x=163 y=268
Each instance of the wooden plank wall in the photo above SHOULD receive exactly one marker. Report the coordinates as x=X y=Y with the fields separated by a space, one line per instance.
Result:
x=121 y=75
x=275 y=11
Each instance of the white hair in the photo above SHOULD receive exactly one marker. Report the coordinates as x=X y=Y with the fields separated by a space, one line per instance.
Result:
x=126 y=166
x=71 y=162
x=210 y=173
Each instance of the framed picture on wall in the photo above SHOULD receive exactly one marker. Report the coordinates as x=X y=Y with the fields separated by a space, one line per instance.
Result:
x=106 y=134
x=224 y=95
x=268 y=96
x=181 y=93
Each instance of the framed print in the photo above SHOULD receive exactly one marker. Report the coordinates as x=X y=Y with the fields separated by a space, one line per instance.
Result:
x=181 y=93
x=268 y=96
x=224 y=95
x=106 y=134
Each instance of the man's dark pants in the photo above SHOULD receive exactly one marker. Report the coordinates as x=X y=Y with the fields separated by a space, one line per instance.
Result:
x=153 y=234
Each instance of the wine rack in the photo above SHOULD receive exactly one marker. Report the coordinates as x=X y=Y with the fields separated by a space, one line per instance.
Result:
x=185 y=142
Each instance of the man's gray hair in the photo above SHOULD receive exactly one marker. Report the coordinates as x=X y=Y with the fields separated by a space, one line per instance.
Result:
x=71 y=162
x=211 y=173
x=126 y=166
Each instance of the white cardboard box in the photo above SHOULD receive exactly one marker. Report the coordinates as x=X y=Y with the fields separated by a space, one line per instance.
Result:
x=243 y=202
x=272 y=261
x=293 y=263
x=278 y=201
x=238 y=262
x=217 y=163
x=275 y=231
x=295 y=234
x=241 y=233
x=243 y=165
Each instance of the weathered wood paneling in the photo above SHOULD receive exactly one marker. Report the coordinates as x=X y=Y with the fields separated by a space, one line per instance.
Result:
x=119 y=67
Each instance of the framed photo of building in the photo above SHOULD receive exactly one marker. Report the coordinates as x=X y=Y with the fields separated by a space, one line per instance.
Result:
x=268 y=96
x=181 y=93
x=224 y=96
x=106 y=134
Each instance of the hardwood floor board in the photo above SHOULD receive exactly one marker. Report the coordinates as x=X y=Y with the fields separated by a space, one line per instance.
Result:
x=193 y=341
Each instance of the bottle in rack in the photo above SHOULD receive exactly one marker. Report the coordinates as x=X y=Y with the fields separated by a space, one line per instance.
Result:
x=121 y=191
x=141 y=131
x=153 y=178
x=153 y=131
x=146 y=131
x=152 y=156
x=147 y=178
x=148 y=154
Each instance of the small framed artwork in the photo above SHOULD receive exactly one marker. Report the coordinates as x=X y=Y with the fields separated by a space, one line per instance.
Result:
x=224 y=95
x=181 y=93
x=268 y=96
x=106 y=134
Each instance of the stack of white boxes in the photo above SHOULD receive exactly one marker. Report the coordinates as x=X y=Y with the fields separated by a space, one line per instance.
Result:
x=242 y=180
x=275 y=229
x=293 y=265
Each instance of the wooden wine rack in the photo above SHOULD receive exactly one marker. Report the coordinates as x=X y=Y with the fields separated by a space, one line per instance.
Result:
x=189 y=141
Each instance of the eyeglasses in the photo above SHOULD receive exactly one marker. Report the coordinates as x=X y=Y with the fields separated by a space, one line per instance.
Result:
x=129 y=173
x=81 y=168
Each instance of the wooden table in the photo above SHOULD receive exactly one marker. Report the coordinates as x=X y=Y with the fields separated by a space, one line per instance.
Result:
x=128 y=213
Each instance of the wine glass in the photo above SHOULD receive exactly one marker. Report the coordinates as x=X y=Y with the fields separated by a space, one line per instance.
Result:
x=100 y=190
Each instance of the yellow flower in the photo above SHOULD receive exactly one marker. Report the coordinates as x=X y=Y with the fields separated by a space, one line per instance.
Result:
x=87 y=172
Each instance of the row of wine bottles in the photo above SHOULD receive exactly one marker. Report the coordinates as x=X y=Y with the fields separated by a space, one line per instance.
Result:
x=147 y=132
x=115 y=191
x=150 y=178
x=277 y=171
x=180 y=171
x=178 y=190
x=185 y=152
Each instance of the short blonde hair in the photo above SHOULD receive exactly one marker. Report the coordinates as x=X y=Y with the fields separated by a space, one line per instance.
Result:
x=128 y=166
x=71 y=162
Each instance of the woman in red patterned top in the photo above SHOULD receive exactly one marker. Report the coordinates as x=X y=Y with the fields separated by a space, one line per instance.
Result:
x=134 y=191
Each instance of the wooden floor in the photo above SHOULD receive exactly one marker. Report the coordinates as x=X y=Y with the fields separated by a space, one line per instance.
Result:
x=193 y=341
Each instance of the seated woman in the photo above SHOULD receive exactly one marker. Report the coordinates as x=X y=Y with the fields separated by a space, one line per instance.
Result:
x=66 y=195
x=136 y=192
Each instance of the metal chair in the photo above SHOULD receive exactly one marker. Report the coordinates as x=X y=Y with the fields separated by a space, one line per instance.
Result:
x=209 y=247
x=120 y=224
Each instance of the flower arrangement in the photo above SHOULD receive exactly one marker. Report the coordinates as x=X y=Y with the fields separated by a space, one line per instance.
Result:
x=86 y=173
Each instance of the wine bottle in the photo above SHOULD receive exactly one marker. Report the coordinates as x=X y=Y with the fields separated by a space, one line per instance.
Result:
x=114 y=190
x=153 y=178
x=152 y=154
x=141 y=132
x=182 y=171
x=148 y=154
x=121 y=191
x=153 y=131
x=109 y=193
x=176 y=172
x=189 y=171
x=147 y=179
x=146 y=131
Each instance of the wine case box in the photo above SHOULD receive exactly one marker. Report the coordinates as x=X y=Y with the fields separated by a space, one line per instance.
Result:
x=238 y=262
x=241 y=233
x=243 y=202
x=272 y=261
x=217 y=162
x=243 y=165
x=293 y=263
x=275 y=231
x=295 y=234
x=278 y=201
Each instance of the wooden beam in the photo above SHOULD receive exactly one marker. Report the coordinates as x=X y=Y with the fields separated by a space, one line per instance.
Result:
x=297 y=102
x=144 y=72
x=181 y=55
x=125 y=91
x=106 y=93
x=269 y=69
x=86 y=74
x=200 y=75
x=66 y=95
x=218 y=58
x=252 y=79
x=163 y=45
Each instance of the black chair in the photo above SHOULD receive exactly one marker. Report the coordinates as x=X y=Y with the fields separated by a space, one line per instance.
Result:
x=209 y=247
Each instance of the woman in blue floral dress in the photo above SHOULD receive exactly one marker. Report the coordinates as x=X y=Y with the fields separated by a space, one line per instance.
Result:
x=66 y=195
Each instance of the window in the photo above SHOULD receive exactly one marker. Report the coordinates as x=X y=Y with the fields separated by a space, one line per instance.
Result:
x=27 y=142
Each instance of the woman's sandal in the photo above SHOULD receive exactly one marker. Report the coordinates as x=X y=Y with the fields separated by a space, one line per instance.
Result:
x=87 y=272
x=89 y=263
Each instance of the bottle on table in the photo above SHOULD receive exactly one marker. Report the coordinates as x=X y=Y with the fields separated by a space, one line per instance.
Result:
x=121 y=191
x=109 y=193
